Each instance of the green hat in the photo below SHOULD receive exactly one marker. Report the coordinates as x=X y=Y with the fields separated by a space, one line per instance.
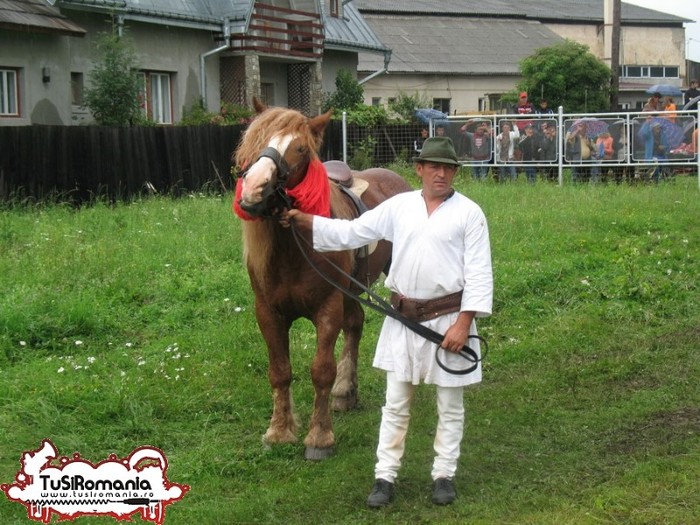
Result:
x=438 y=149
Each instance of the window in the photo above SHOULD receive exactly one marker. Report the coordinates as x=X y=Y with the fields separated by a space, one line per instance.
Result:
x=442 y=104
x=8 y=93
x=157 y=97
x=650 y=71
x=376 y=101
x=335 y=8
x=76 y=88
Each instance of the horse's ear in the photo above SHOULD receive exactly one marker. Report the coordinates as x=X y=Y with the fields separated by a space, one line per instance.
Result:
x=259 y=106
x=318 y=124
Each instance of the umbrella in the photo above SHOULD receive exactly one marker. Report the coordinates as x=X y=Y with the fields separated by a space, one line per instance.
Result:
x=594 y=126
x=692 y=103
x=426 y=115
x=665 y=90
x=673 y=132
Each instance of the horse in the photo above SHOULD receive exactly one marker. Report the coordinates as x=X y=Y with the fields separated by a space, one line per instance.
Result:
x=279 y=153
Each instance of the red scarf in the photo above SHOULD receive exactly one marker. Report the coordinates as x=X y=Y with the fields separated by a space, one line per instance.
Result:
x=312 y=195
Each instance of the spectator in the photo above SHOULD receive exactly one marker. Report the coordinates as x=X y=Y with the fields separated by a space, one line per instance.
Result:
x=505 y=150
x=670 y=105
x=418 y=143
x=547 y=151
x=653 y=104
x=691 y=93
x=579 y=149
x=544 y=108
x=524 y=107
x=440 y=130
x=480 y=146
x=529 y=146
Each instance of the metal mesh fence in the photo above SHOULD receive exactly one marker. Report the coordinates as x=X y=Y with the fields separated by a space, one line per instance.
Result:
x=592 y=147
x=232 y=80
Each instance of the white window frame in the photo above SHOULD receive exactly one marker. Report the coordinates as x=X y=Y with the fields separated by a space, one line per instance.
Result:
x=645 y=71
x=157 y=96
x=9 y=92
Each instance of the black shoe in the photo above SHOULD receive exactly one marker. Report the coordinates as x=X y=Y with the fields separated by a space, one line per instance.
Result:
x=443 y=491
x=381 y=495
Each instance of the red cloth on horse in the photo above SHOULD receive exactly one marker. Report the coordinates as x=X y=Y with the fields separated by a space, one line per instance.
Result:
x=312 y=195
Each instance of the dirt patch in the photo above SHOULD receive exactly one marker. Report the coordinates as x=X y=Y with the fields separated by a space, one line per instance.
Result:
x=662 y=431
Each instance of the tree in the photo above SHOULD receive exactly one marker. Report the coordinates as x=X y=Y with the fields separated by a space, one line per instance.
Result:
x=348 y=93
x=114 y=93
x=568 y=75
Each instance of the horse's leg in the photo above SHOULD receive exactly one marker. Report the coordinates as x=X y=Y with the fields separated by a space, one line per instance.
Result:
x=275 y=331
x=345 y=387
x=320 y=439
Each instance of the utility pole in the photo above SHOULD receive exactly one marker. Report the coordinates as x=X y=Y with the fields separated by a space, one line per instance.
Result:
x=615 y=55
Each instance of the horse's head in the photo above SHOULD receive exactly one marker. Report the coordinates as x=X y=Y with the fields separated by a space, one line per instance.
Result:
x=275 y=152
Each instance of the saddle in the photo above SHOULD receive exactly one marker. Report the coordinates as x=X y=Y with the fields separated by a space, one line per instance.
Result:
x=341 y=174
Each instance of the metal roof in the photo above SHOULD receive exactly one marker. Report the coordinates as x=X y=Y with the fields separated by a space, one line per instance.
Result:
x=350 y=32
x=35 y=16
x=456 y=46
x=542 y=10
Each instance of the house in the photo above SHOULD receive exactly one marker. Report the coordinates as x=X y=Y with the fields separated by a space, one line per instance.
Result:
x=286 y=52
x=464 y=54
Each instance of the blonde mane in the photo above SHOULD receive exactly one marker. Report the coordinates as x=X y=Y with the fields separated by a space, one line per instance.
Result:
x=274 y=121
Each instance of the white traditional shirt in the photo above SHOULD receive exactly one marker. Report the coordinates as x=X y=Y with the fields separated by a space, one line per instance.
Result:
x=432 y=256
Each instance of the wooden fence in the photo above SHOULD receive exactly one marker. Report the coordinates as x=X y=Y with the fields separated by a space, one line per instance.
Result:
x=80 y=163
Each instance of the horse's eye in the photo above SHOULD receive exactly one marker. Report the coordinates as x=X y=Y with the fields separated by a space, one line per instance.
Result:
x=301 y=149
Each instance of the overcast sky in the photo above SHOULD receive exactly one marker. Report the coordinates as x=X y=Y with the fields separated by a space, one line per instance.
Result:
x=686 y=9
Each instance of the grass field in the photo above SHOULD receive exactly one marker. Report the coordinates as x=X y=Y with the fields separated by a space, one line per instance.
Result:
x=131 y=325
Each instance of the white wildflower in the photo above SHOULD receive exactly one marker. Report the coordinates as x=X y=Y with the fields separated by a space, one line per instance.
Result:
x=238 y=309
x=61 y=370
x=78 y=343
x=585 y=282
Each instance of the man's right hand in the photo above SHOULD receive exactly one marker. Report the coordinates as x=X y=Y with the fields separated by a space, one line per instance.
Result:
x=304 y=221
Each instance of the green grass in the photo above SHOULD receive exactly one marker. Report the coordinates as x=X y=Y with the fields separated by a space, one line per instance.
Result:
x=131 y=325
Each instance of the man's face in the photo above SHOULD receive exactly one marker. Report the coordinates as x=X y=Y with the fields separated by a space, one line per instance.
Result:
x=440 y=131
x=436 y=178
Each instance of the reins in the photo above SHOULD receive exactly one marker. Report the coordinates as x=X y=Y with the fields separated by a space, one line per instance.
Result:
x=385 y=308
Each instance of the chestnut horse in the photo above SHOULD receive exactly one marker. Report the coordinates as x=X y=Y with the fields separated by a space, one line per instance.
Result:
x=279 y=152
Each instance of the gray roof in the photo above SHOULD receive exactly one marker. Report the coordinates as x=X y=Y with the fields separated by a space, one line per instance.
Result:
x=35 y=16
x=418 y=32
x=459 y=46
x=347 y=33
x=542 y=10
x=351 y=30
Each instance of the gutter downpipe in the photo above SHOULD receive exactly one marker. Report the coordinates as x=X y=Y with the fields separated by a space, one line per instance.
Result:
x=203 y=56
x=385 y=69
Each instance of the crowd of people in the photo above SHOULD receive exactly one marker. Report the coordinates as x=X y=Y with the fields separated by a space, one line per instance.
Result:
x=507 y=146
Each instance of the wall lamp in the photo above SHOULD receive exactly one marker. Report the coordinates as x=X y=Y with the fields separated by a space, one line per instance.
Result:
x=46 y=74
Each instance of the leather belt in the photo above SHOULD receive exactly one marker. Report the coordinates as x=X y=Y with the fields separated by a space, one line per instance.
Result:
x=421 y=310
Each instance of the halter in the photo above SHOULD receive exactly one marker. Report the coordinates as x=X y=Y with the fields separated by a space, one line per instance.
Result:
x=263 y=208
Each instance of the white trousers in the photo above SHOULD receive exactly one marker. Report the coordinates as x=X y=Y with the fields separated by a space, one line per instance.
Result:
x=394 y=425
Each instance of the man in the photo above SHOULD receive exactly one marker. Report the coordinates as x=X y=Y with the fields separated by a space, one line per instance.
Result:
x=691 y=93
x=441 y=250
x=480 y=148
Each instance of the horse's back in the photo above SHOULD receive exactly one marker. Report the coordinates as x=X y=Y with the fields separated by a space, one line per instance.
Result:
x=383 y=183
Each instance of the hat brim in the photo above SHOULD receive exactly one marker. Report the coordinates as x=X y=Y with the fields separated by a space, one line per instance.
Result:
x=439 y=160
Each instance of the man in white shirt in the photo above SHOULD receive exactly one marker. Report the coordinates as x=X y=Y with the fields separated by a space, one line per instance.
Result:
x=441 y=255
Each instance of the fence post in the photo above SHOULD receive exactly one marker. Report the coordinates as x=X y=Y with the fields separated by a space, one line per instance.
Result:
x=560 y=138
x=345 y=137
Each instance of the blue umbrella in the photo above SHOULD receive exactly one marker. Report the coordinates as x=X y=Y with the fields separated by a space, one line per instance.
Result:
x=672 y=132
x=665 y=90
x=426 y=114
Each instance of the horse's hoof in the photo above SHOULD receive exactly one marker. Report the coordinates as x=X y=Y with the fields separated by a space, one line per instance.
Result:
x=318 y=454
x=344 y=403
